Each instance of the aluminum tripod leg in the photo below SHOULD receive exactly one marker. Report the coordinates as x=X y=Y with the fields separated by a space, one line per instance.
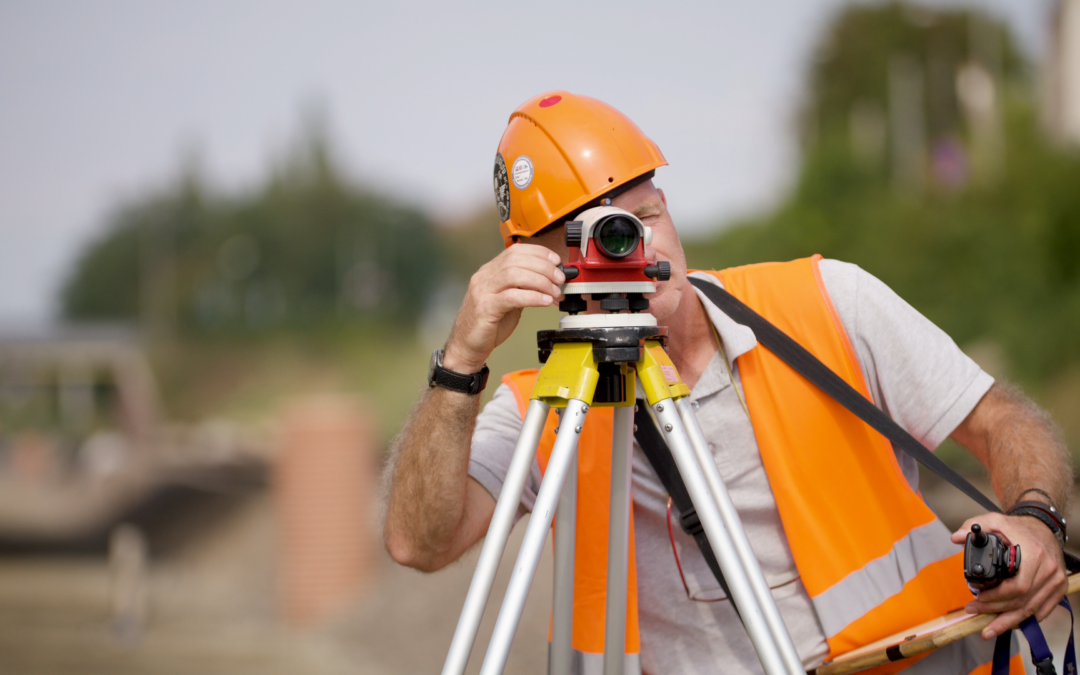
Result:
x=495 y=542
x=535 y=535
x=560 y=658
x=730 y=518
x=618 y=567
x=734 y=572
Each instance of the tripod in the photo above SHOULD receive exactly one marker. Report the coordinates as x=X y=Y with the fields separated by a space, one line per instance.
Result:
x=595 y=360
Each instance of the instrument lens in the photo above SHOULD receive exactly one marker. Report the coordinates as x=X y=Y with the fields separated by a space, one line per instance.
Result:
x=617 y=237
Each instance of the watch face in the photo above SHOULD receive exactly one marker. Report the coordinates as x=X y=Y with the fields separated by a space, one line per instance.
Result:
x=436 y=359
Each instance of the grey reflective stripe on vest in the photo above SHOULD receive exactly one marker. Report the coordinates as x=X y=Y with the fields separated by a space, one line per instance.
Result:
x=864 y=589
x=584 y=663
x=960 y=657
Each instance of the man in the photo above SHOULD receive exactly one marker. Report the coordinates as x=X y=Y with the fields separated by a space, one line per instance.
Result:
x=565 y=153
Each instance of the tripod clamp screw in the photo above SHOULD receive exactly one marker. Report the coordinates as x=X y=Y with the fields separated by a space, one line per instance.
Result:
x=659 y=407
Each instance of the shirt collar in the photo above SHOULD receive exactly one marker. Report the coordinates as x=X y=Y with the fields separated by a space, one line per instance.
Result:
x=736 y=338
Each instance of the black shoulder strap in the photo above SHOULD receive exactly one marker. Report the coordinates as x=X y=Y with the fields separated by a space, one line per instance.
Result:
x=807 y=365
x=659 y=455
x=818 y=374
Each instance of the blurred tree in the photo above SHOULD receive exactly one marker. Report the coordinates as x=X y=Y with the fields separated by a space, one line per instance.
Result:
x=472 y=241
x=305 y=249
x=923 y=163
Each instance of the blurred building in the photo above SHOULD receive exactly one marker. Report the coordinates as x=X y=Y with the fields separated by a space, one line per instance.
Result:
x=324 y=489
x=1061 y=89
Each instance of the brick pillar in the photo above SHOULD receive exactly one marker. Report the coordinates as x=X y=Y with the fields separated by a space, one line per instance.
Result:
x=324 y=490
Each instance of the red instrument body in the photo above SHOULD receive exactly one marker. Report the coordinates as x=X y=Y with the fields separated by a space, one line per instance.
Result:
x=597 y=268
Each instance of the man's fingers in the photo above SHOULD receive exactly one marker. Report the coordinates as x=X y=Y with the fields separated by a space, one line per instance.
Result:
x=512 y=277
x=990 y=522
x=535 y=250
x=516 y=298
x=539 y=265
x=1010 y=591
x=541 y=253
x=1015 y=609
x=1048 y=606
x=999 y=607
x=1009 y=599
x=1006 y=621
x=517 y=277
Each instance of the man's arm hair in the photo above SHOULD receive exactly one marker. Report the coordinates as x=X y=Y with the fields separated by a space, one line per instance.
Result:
x=1020 y=446
x=434 y=510
x=1022 y=449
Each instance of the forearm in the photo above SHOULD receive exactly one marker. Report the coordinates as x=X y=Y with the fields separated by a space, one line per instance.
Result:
x=428 y=478
x=434 y=511
x=1020 y=447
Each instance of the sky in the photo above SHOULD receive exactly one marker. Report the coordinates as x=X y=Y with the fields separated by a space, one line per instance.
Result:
x=102 y=101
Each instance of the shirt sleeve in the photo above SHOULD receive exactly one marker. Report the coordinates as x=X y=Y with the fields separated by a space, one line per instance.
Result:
x=914 y=370
x=493 y=443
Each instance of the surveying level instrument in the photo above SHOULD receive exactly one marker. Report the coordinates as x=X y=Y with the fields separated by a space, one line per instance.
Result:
x=597 y=360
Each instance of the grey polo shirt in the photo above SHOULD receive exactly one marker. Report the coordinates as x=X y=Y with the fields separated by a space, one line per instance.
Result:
x=916 y=374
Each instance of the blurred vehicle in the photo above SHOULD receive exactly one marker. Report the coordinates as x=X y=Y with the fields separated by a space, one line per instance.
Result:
x=83 y=445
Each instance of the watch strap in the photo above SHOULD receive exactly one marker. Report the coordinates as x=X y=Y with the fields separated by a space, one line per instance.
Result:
x=448 y=379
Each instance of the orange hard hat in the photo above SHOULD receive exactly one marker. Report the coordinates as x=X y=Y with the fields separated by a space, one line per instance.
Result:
x=561 y=152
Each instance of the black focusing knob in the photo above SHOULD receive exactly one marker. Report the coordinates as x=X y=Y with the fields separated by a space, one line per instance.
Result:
x=661 y=271
x=573 y=234
x=570 y=271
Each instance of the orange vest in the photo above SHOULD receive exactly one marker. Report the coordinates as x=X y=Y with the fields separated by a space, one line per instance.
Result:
x=873 y=557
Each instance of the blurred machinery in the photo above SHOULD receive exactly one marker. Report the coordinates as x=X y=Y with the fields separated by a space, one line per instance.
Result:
x=83 y=446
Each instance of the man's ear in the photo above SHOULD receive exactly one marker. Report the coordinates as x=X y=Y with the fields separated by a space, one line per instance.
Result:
x=663 y=198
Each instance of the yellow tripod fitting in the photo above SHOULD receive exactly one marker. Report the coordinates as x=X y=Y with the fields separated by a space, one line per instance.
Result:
x=570 y=373
x=659 y=378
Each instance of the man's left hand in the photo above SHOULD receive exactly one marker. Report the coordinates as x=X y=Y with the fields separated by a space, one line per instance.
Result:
x=1039 y=584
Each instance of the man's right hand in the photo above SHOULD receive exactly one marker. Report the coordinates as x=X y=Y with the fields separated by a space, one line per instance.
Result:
x=435 y=512
x=524 y=275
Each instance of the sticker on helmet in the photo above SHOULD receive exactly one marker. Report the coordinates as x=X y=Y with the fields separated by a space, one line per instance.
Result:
x=522 y=172
x=502 y=188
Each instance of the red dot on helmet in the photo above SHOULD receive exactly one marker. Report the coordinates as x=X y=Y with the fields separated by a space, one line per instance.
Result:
x=550 y=101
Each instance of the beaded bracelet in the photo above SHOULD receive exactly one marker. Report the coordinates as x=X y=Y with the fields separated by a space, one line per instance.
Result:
x=1044 y=493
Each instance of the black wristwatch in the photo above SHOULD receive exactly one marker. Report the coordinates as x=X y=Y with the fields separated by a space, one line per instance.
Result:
x=1045 y=513
x=448 y=379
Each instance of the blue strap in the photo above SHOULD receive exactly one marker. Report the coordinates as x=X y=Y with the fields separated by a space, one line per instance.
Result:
x=1070 y=652
x=1001 y=654
x=1040 y=651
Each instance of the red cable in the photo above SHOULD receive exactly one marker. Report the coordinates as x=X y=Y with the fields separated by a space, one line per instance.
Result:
x=678 y=563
